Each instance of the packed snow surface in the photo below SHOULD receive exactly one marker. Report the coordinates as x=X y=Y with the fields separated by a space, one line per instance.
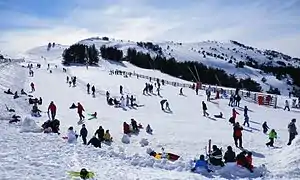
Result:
x=183 y=131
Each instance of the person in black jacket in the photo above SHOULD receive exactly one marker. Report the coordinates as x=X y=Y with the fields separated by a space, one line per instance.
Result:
x=216 y=157
x=100 y=133
x=93 y=90
x=95 y=142
x=88 y=88
x=83 y=133
x=229 y=155
x=204 y=107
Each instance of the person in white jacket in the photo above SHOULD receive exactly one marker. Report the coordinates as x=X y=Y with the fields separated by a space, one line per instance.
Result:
x=72 y=136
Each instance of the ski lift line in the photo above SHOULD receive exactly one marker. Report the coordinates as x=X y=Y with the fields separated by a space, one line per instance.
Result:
x=192 y=74
x=197 y=73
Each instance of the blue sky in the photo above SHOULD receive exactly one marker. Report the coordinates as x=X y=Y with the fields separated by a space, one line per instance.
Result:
x=267 y=24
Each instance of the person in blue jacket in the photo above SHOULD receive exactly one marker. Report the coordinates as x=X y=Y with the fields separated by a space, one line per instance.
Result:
x=201 y=164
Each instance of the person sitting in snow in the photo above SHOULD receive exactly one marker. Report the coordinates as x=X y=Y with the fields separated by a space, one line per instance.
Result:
x=72 y=136
x=229 y=155
x=8 y=92
x=245 y=162
x=116 y=103
x=16 y=95
x=265 y=127
x=149 y=129
x=126 y=128
x=216 y=157
x=272 y=136
x=107 y=136
x=73 y=106
x=134 y=126
x=95 y=142
x=219 y=115
x=23 y=92
x=201 y=164
x=35 y=110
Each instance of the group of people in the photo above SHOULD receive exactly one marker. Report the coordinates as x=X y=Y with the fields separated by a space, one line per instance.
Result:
x=215 y=158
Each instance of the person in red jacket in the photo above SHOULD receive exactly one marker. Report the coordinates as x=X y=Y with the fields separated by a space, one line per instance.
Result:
x=32 y=87
x=249 y=159
x=245 y=161
x=126 y=128
x=237 y=135
x=52 y=109
x=234 y=113
x=80 y=109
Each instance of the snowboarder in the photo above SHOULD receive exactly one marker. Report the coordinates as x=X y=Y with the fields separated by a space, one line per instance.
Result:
x=292 y=131
x=265 y=127
x=95 y=142
x=93 y=90
x=200 y=164
x=80 y=109
x=32 y=87
x=229 y=155
x=287 y=106
x=204 y=108
x=83 y=133
x=52 y=108
x=100 y=133
x=272 y=136
x=88 y=88
x=237 y=135
x=216 y=156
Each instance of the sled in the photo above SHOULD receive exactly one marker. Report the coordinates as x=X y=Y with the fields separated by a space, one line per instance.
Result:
x=76 y=174
x=170 y=156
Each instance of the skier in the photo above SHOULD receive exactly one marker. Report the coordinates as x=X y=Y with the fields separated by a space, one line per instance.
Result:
x=204 y=108
x=79 y=111
x=237 y=135
x=32 y=87
x=83 y=133
x=95 y=142
x=201 y=163
x=52 y=108
x=229 y=155
x=88 y=88
x=121 y=89
x=287 y=106
x=100 y=133
x=216 y=157
x=93 y=90
x=265 y=127
x=272 y=136
x=180 y=91
x=292 y=131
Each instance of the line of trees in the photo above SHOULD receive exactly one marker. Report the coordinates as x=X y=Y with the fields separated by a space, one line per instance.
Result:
x=81 y=54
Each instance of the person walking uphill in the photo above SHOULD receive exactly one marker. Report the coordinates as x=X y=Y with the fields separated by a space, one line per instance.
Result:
x=272 y=136
x=83 y=133
x=80 y=109
x=52 y=109
x=237 y=135
x=292 y=131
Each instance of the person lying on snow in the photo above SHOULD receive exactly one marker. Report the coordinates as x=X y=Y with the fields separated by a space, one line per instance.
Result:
x=229 y=155
x=8 y=92
x=244 y=161
x=219 y=115
x=53 y=125
x=95 y=142
x=201 y=164
x=107 y=136
x=216 y=157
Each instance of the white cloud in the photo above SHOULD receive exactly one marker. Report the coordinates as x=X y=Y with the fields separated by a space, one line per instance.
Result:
x=254 y=23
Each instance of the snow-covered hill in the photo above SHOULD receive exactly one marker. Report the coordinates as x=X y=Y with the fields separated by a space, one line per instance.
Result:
x=211 y=53
x=184 y=131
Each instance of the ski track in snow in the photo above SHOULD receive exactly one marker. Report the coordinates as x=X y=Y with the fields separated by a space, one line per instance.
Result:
x=184 y=132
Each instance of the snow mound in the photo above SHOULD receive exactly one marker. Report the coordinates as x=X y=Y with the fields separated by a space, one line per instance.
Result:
x=125 y=139
x=29 y=125
x=144 y=142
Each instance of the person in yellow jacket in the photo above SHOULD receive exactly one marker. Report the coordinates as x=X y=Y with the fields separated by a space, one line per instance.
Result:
x=107 y=136
x=272 y=136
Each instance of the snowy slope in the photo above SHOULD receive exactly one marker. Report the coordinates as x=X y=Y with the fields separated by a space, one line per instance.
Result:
x=216 y=55
x=184 y=132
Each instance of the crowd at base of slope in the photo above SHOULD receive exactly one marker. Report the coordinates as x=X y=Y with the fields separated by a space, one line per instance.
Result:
x=214 y=156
